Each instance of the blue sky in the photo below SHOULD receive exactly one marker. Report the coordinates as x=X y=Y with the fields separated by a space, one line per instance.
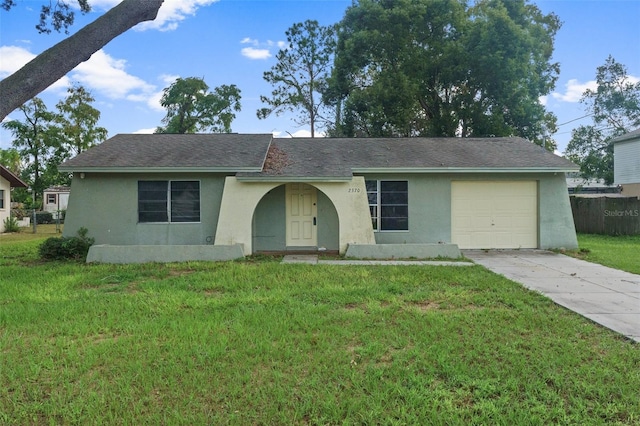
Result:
x=235 y=41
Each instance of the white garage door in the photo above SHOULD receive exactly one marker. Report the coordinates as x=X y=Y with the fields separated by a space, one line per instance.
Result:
x=498 y=214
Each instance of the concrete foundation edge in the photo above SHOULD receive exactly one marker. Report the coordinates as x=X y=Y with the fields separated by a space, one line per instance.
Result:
x=403 y=251
x=163 y=253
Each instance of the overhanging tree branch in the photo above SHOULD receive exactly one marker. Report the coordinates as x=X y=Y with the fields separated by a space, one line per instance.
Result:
x=52 y=64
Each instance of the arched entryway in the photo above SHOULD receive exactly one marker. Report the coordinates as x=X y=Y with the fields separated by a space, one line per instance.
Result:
x=295 y=216
x=343 y=204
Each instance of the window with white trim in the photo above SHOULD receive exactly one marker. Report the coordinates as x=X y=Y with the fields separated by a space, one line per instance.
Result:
x=388 y=204
x=168 y=201
x=51 y=199
x=1 y=198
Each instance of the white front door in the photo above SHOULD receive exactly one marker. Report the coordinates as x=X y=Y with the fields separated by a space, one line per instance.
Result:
x=302 y=200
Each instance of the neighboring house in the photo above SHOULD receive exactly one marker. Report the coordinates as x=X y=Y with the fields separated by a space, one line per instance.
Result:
x=55 y=199
x=7 y=181
x=195 y=196
x=581 y=186
x=626 y=163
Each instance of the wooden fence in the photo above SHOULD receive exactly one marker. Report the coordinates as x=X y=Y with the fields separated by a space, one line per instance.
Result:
x=604 y=215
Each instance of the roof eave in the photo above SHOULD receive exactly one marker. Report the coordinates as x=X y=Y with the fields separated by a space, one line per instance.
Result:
x=286 y=179
x=465 y=169
x=14 y=181
x=72 y=169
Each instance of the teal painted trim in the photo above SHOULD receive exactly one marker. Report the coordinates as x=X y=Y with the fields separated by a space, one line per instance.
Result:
x=160 y=169
x=293 y=179
x=443 y=170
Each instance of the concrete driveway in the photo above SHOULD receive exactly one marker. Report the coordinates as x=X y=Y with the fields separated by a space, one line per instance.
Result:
x=607 y=296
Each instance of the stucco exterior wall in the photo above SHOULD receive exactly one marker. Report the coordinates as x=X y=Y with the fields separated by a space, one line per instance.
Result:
x=430 y=208
x=5 y=211
x=253 y=213
x=107 y=205
x=240 y=199
x=269 y=222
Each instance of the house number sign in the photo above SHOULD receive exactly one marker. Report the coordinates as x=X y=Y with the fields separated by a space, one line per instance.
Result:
x=353 y=189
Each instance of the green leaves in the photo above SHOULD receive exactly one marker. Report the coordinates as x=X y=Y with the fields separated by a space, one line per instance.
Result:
x=46 y=138
x=299 y=76
x=444 y=68
x=191 y=108
x=615 y=107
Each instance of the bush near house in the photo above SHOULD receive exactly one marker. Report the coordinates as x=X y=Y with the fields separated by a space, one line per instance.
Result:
x=44 y=218
x=11 y=225
x=66 y=248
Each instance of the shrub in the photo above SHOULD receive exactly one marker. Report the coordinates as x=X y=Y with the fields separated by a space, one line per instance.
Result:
x=11 y=225
x=44 y=218
x=66 y=248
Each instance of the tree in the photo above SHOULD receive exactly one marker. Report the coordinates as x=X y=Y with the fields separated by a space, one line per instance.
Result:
x=10 y=158
x=615 y=110
x=78 y=122
x=300 y=75
x=444 y=68
x=52 y=64
x=191 y=108
x=33 y=139
x=59 y=16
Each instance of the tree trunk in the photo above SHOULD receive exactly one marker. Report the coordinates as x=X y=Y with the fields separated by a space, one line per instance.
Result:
x=55 y=62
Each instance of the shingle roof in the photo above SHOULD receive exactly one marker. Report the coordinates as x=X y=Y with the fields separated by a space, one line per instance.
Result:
x=340 y=157
x=311 y=158
x=228 y=152
x=627 y=136
x=14 y=181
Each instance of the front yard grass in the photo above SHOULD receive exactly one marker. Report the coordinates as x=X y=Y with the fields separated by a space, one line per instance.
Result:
x=620 y=252
x=258 y=342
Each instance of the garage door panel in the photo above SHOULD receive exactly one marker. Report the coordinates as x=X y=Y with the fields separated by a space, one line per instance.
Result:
x=488 y=214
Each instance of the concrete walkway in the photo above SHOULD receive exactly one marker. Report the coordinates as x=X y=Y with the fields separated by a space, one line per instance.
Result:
x=607 y=296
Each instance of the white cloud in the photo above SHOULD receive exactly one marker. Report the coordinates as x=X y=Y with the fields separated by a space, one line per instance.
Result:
x=145 y=131
x=173 y=12
x=15 y=57
x=153 y=99
x=252 y=53
x=260 y=50
x=543 y=100
x=303 y=133
x=100 y=4
x=107 y=75
x=101 y=73
x=574 y=90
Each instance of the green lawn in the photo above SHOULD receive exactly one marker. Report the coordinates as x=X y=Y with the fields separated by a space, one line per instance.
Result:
x=620 y=252
x=257 y=342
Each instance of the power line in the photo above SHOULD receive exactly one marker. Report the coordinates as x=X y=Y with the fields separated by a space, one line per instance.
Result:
x=575 y=119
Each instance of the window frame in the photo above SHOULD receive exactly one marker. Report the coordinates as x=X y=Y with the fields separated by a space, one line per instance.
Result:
x=2 y=207
x=55 y=200
x=377 y=220
x=169 y=201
